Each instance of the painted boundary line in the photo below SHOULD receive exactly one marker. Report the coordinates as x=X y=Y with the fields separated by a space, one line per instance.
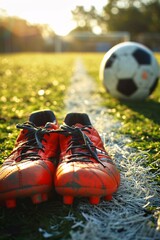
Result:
x=125 y=217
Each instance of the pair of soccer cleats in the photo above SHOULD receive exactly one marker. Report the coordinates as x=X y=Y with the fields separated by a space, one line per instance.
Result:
x=70 y=158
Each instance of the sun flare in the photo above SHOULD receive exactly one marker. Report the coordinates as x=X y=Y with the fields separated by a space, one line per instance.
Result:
x=56 y=14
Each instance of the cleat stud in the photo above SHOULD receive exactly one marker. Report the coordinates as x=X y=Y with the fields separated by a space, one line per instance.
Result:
x=37 y=198
x=108 y=198
x=10 y=203
x=68 y=200
x=94 y=200
x=44 y=197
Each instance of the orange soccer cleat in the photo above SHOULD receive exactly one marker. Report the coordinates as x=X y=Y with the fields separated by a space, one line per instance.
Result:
x=29 y=170
x=84 y=169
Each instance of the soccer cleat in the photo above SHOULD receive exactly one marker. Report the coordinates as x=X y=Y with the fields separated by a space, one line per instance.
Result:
x=85 y=169
x=28 y=171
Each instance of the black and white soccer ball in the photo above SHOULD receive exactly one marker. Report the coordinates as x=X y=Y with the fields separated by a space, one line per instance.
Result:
x=129 y=71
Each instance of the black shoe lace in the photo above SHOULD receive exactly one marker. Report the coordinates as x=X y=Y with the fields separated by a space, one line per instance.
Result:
x=34 y=137
x=80 y=141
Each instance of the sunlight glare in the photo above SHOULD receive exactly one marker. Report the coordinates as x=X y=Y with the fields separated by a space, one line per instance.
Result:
x=56 y=14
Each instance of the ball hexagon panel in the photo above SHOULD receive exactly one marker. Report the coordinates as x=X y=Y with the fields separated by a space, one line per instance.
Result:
x=112 y=80
x=124 y=66
x=139 y=94
x=144 y=76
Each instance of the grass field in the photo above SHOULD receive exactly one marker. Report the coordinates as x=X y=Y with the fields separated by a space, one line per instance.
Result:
x=36 y=81
x=140 y=120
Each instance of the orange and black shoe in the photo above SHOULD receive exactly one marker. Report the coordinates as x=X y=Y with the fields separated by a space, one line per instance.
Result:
x=85 y=168
x=28 y=171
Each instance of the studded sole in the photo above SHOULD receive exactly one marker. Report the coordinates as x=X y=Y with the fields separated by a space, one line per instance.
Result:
x=38 y=194
x=94 y=200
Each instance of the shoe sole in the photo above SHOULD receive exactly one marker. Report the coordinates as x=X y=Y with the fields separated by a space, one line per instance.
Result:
x=94 y=195
x=37 y=194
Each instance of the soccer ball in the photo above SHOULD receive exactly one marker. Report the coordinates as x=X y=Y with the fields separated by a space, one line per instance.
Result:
x=129 y=71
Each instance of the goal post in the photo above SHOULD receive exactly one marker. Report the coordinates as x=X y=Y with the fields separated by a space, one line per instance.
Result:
x=89 y=42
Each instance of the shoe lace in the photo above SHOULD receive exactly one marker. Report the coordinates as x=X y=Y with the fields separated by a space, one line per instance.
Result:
x=34 y=137
x=78 y=141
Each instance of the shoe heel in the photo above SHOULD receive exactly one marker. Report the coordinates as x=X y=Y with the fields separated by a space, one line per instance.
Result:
x=10 y=203
x=39 y=197
x=68 y=200
x=108 y=198
x=94 y=200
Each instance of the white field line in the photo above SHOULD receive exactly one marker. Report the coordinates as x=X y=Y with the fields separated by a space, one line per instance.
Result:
x=125 y=216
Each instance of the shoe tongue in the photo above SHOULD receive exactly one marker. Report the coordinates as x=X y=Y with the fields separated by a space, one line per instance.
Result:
x=77 y=118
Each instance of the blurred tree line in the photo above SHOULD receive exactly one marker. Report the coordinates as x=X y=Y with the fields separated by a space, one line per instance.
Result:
x=133 y=16
x=18 y=35
x=139 y=18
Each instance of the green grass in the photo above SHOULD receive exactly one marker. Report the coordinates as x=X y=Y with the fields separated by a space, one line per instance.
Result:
x=38 y=81
x=140 y=120
x=25 y=221
x=30 y=82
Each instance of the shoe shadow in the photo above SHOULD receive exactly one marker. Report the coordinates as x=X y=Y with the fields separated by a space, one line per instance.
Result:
x=148 y=108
